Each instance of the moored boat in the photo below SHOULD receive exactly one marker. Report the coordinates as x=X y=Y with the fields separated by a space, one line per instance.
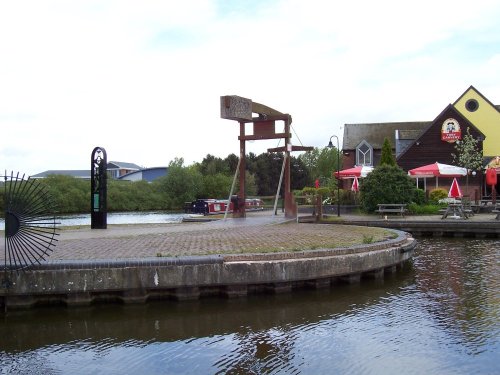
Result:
x=219 y=206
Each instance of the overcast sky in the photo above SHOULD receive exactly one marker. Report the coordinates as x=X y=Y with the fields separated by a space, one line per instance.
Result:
x=143 y=79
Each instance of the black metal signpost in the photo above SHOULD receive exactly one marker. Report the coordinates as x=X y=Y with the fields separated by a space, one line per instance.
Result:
x=98 y=192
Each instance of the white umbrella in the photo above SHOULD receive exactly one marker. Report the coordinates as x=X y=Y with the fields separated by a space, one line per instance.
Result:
x=437 y=170
x=359 y=171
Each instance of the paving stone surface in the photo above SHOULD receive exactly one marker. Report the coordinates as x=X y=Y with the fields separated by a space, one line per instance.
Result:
x=258 y=232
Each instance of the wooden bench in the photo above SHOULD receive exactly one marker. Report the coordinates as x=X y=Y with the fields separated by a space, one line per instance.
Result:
x=496 y=210
x=395 y=208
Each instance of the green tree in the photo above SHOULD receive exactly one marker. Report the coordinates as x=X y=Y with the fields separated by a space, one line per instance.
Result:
x=69 y=193
x=387 y=184
x=299 y=174
x=210 y=178
x=266 y=169
x=212 y=165
x=321 y=164
x=468 y=155
x=232 y=163
x=250 y=186
x=387 y=157
x=216 y=186
x=327 y=163
x=310 y=161
x=181 y=184
x=177 y=162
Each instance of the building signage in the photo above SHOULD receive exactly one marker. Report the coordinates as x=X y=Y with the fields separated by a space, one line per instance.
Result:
x=450 y=131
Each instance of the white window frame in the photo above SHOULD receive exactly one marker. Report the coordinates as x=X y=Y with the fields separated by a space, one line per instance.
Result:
x=361 y=155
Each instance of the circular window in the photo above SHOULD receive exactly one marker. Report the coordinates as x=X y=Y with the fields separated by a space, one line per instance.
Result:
x=472 y=105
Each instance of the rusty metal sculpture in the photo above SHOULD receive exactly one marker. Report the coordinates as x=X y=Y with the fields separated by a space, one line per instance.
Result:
x=30 y=222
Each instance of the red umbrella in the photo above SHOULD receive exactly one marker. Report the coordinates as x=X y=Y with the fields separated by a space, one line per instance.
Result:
x=359 y=171
x=437 y=170
x=355 y=185
x=455 y=191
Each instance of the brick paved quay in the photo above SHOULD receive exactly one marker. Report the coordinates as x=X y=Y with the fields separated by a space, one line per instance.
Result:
x=231 y=258
x=258 y=232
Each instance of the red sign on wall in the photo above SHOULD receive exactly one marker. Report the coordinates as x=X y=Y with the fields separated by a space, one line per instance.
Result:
x=450 y=131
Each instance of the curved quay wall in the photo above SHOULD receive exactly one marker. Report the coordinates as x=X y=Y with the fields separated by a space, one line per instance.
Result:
x=137 y=280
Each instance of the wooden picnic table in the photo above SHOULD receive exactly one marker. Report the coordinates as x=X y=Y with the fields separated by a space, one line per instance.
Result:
x=455 y=208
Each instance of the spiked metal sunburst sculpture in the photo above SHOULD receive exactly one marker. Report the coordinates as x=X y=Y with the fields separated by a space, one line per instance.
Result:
x=30 y=222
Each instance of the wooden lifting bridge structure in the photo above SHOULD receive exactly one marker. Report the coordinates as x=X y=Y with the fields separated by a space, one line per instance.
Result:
x=242 y=110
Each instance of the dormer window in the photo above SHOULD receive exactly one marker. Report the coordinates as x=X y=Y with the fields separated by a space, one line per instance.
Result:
x=364 y=154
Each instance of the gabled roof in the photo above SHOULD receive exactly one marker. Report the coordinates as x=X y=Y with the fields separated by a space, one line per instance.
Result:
x=456 y=113
x=497 y=107
x=375 y=133
x=122 y=165
x=82 y=173
x=409 y=134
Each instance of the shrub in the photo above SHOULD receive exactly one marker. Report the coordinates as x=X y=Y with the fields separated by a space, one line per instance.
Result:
x=323 y=191
x=420 y=197
x=386 y=184
x=310 y=193
x=346 y=197
x=426 y=209
x=308 y=190
x=70 y=194
x=437 y=194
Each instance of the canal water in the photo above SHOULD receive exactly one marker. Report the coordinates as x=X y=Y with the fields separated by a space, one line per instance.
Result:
x=439 y=315
x=148 y=217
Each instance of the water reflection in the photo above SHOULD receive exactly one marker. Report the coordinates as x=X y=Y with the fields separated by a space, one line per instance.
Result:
x=460 y=284
x=439 y=316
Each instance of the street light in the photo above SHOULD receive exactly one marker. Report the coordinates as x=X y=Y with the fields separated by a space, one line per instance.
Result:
x=330 y=145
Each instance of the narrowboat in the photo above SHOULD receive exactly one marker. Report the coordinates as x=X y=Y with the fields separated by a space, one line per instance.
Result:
x=219 y=206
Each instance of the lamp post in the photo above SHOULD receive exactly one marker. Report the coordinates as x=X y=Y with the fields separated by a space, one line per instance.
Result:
x=330 y=145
